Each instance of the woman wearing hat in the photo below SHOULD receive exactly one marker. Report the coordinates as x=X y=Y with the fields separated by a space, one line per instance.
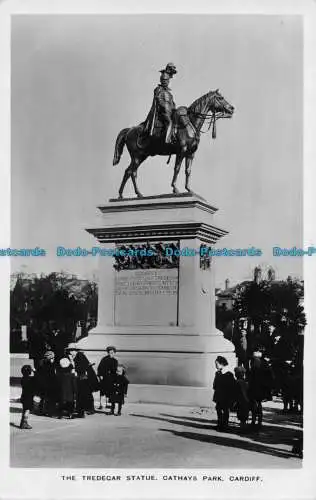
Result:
x=87 y=381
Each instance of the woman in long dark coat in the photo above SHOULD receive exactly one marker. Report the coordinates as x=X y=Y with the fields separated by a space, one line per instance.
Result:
x=67 y=387
x=47 y=384
x=87 y=381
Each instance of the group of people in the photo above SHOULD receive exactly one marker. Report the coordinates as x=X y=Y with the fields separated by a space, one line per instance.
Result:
x=242 y=392
x=65 y=385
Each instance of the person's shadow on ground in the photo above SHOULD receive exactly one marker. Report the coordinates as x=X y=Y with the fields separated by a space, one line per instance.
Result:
x=274 y=430
x=256 y=441
x=210 y=423
x=275 y=434
x=231 y=443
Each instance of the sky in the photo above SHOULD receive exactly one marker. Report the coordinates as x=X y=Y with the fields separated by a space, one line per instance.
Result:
x=77 y=80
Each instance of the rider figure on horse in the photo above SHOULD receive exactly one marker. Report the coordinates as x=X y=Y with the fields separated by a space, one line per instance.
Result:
x=163 y=104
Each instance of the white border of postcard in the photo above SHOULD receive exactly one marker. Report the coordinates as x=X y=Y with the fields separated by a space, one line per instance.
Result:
x=48 y=483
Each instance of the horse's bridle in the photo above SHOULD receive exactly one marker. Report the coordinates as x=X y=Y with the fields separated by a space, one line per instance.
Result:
x=213 y=117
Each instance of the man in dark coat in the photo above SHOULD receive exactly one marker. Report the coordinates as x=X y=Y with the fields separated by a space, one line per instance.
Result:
x=224 y=392
x=106 y=371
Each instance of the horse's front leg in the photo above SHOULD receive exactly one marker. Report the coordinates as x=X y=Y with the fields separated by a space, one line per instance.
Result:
x=188 y=164
x=177 y=166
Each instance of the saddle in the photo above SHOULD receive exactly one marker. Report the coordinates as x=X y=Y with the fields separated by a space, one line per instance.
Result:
x=180 y=122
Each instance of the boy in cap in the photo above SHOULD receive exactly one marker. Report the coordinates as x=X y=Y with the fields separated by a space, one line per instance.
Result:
x=106 y=371
x=27 y=395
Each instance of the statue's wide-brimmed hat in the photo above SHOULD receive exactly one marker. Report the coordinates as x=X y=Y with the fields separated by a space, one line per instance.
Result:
x=170 y=68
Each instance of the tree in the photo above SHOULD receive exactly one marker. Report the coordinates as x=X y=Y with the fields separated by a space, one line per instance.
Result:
x=275 y=316
x=55 y=301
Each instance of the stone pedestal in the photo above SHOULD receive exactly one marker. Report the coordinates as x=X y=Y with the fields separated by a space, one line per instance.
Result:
x=159 y=311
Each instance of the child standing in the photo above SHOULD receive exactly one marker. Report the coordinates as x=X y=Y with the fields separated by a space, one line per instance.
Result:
x=106 y=372
x=27 y=395
x=118 y=390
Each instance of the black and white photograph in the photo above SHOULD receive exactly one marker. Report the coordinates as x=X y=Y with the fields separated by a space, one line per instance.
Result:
x=158 y=315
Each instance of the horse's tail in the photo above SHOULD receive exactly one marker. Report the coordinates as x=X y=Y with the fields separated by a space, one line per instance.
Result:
x=119 y=145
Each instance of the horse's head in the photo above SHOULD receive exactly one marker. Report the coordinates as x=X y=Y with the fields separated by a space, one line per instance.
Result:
x=210 y=106
x=219 y=105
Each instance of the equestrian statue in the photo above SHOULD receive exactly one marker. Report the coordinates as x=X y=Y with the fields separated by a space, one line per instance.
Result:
x=169 y=131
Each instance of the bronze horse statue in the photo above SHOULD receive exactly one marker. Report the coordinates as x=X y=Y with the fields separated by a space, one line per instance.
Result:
x=140 y=145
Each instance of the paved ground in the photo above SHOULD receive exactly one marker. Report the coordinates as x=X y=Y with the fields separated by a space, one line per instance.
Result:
x=152 y=436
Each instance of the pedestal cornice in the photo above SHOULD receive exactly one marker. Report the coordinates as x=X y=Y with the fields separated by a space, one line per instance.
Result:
x=150 y=232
